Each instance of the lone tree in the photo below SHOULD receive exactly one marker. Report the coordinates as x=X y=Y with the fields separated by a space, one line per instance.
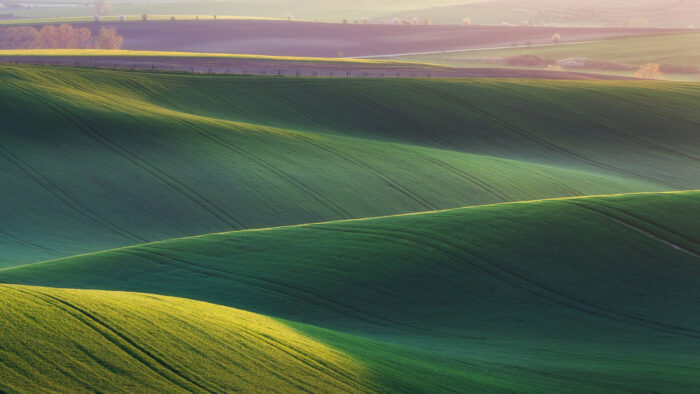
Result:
x=108 y=39
x=102 y=8
x=649 y=71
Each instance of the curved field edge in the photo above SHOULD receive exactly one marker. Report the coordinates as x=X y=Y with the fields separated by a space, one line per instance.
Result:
x=96 y=53
x=89 y=340
x=118 y=158
x=596 y=292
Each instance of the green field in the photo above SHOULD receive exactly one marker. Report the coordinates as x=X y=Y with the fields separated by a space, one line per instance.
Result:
x=668 y=49
x=117 y=158
x=173 y=232
x=578 y=295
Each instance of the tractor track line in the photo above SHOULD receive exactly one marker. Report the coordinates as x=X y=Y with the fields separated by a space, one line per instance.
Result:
x=131 y=348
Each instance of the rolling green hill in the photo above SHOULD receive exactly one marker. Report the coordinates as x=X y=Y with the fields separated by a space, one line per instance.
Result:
x=116 y=158
x=583 y=294
x=97 y=341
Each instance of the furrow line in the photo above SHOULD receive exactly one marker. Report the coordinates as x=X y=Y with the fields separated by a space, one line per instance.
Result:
x=130 y=348
x=559 y=297
x=639 y=230
x=542 y=142
x=342 y=213
x=340 y=308
x=66 y=198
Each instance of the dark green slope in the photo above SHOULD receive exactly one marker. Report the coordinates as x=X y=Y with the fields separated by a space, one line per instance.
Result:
x=646 y=130
x=92 y=160
x=595 y=293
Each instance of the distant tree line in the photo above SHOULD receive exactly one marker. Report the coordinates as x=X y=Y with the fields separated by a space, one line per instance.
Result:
x=59 y=37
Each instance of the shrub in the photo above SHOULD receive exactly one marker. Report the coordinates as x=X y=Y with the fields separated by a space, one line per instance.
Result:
x=466 y=22
x=649 y=71
x=528 y=61
x=556 y=38
x=592 y=64
x=144 y=17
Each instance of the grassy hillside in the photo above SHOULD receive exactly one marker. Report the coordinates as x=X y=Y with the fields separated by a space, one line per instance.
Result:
x=586 y=294
x=668 y=49
x=136 y=342
x=117 y=158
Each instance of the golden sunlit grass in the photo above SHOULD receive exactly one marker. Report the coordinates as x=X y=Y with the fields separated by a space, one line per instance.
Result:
x=76 y=340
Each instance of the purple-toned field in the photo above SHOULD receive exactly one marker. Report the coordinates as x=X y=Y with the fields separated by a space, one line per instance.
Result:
x=285 y=38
